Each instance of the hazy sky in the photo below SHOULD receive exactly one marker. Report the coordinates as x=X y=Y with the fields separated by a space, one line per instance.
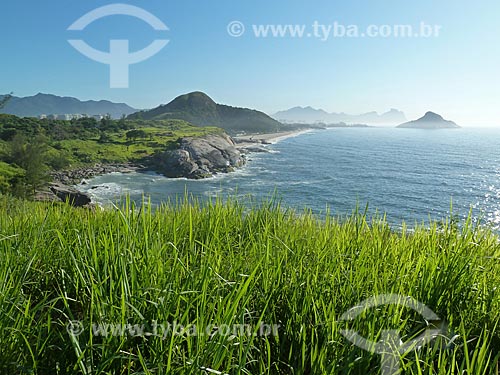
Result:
x=455 y=74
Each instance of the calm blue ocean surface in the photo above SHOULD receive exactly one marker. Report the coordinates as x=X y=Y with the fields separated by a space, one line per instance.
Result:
x=411 y=175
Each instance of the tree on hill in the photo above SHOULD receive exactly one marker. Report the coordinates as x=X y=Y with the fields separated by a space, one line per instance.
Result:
x=30 y=156
x=136 y=134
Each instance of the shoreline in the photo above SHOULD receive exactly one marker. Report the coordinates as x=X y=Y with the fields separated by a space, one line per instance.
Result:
x=65 y=185
x=245 y=144
x=79 y=175
x=253 y=140
x=71 y=180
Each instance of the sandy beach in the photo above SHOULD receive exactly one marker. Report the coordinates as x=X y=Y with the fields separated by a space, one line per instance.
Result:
x=250 y=140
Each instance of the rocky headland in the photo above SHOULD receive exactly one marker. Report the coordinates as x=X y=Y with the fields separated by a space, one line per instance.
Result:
x=194 y=158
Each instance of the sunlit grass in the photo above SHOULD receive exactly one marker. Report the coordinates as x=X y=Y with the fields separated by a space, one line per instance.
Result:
x=121 y=150
x=222 y=263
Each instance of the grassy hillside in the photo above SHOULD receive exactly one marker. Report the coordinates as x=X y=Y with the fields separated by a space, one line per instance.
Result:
x=222 y=265
x=71 y=144
x=196 y=108
x=199 y=109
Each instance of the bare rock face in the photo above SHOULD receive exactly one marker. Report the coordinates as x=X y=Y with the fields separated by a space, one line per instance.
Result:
x=200 y=157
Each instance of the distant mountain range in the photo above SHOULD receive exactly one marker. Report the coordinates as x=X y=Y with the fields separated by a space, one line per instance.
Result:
x=430 y=120
x=309 y=115
x=47 y=104
x=200 y=110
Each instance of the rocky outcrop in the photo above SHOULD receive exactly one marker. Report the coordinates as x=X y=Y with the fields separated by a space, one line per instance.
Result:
x=77 y=176
x=57 y=192
x=70 y=195
x=199 y=157
x=195 y=158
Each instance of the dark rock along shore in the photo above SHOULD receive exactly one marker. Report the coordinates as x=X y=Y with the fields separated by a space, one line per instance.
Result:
x=76 y=176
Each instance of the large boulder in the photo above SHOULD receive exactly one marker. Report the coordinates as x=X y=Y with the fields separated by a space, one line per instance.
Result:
x=200 y=157
x=177 y=163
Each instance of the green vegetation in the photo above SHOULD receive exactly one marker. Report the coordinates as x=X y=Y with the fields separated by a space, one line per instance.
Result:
x=8 y=173
x=30 y=148
x=30 y=157
x=223 y=264
x=199 y=109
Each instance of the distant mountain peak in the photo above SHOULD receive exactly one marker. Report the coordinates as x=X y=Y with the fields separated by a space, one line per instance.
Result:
x=196 y=98
x=311 y=115
x=195 y=95
x=48 y=104
x=300 y=113
x=199 y=109
x=432 y=116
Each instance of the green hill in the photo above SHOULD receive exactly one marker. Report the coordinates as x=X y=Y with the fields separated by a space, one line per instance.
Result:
x=199 y=109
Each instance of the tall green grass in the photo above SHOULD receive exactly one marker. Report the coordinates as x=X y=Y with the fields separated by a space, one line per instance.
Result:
x=222 y=263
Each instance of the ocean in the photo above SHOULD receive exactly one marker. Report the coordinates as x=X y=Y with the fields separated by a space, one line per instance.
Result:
x=409 y=175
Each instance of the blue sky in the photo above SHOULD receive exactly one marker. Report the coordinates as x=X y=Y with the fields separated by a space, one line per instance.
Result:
x=455 y=74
